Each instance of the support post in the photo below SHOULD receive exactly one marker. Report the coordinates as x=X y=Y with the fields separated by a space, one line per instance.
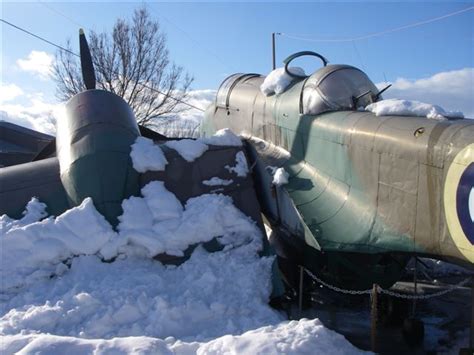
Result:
x=273 y=51
x=373 y=318
x=470 y=349
x=300 y=292
x=415 y=281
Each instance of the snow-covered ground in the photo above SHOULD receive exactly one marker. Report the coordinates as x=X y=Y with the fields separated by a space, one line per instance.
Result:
x=73 y=301
x=73 y=284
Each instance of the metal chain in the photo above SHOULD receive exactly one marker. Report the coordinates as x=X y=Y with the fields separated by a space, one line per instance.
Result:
x=425 y=297
x=335 y=288
x=388 y=292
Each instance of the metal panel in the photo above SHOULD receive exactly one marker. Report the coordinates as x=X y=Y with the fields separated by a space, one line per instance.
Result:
x=19 y=183
x=93 y=146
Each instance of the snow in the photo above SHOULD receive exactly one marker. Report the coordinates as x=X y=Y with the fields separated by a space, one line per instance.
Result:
x=59 y=296
x=33 y=251
x=241 y=168
x=153 y=224
x=34 y=211
x=146 y=155
x=278 y=80
x=141 y=297
x=189 y=149
x=398 y=107
x=216 y=181
x=223 y=137
x=280 y=176
x=204 y=217
x=294 y=337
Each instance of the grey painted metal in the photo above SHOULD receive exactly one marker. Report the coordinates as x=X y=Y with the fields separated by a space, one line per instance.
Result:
x=93 y=146
x=19 y=144
x=19 y=183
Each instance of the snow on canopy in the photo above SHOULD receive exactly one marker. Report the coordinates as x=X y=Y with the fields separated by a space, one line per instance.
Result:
x=278 y=80
x=396 y=107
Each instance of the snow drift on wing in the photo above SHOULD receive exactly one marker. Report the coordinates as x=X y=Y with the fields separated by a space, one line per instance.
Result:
x=146 y=156
x=189 y=149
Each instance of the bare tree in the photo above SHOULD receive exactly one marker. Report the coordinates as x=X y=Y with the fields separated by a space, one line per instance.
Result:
x=132 y=62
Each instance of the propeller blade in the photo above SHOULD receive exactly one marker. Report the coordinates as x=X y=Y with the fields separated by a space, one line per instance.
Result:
x=88 y=74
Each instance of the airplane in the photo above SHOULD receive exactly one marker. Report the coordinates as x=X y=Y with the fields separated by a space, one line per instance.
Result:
x=90 y=157
x=365 y=193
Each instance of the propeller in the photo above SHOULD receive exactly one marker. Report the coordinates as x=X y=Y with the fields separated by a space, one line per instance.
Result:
x=88 y=73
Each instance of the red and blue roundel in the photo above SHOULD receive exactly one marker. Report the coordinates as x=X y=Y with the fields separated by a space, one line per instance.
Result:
x=459 y=201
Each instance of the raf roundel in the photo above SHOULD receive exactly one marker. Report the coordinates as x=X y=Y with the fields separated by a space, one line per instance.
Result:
x=459 y=201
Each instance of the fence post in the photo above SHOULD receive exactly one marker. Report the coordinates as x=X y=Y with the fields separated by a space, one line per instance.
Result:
x=300 y=293
x=373 y=318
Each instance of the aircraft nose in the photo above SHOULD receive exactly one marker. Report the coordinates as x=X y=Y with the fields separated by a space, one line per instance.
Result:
x=93 y=146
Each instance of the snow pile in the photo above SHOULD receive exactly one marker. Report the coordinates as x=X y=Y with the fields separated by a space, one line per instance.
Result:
x=146 y=155
x=34 y=211
x=33 y=251
x=278 y=80
x=189 y=149
x=153 y=224
x=215 y=181
x=158 y=224
x=398 y=107
x=295 y=337
x=241 y=168
x=210 y=295
x=280 y=176
x=73 y=302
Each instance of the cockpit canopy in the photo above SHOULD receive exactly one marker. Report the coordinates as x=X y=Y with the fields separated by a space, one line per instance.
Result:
x=331 y=88
x=336 y=88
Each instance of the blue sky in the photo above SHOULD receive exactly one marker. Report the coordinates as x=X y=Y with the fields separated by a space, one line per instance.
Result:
x=214 y=39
